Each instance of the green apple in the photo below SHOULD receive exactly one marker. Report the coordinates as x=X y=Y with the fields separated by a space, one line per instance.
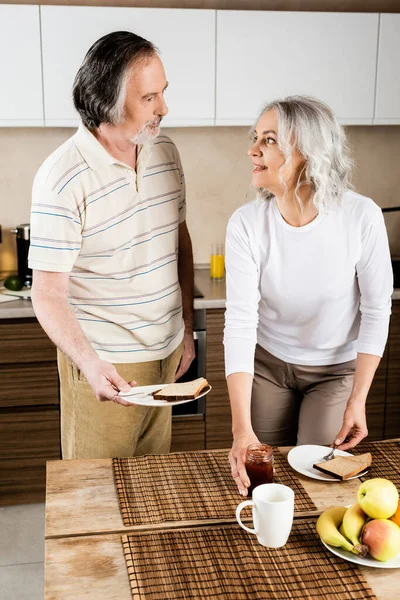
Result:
x=378 y=498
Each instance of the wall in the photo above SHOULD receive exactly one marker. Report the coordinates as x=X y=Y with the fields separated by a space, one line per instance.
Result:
x=302 y=5
x=217 y=172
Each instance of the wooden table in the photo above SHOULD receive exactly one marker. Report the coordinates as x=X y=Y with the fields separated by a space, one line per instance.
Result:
x=84 y=557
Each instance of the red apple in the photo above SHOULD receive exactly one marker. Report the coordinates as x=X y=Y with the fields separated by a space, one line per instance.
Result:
x=378 y=498
x=382 y=538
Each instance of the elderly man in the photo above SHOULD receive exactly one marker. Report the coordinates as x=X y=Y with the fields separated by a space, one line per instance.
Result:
x=111 y=254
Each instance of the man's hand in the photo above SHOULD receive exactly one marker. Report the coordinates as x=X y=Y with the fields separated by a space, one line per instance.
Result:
x=354 y=428
x=106 y=383
x=187 y=355
x=237 y=459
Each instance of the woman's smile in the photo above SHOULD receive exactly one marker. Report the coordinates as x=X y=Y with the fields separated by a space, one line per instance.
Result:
x=258 y=168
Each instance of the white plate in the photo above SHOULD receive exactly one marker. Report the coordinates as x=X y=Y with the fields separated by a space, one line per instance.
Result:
x=24 y=294
x=142 y=395
x=302 y=459
x=367 y=561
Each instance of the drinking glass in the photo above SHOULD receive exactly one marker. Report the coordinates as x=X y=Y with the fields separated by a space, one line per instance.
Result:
x=217 y=262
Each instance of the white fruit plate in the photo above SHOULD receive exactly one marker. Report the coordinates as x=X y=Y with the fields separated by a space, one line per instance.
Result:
x=367 y=561
x=302 y=459
x=143 y=395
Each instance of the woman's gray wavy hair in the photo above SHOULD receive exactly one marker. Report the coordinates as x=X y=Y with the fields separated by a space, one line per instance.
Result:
x=311 y=127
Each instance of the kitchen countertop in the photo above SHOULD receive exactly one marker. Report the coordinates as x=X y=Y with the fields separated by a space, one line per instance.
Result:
x=212 y=290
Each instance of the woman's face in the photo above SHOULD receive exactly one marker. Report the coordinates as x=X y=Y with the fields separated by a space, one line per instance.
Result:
x=267 y=158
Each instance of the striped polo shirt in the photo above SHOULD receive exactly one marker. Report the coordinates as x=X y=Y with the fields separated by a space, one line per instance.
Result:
x=115 y=231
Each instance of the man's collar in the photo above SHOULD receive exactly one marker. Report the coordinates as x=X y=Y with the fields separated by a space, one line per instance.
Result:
x=92 y=151
x=96 y=155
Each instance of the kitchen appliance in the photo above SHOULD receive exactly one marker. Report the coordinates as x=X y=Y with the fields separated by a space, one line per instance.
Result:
x=198 y=367
x=23 y=233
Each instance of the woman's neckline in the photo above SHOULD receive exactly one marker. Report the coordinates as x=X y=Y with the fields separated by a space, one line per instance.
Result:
x=317 y=219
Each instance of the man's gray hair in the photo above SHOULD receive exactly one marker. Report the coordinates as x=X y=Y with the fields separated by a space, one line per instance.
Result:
x=310 y=126
x=100 y=84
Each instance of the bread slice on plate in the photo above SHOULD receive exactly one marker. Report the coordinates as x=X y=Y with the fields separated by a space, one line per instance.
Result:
x=344 y=467
x=182 y=391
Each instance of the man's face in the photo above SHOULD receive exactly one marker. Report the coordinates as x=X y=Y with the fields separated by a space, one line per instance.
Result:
x=144 y=101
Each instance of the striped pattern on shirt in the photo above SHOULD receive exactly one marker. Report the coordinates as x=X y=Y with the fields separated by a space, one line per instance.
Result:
x=116 y=232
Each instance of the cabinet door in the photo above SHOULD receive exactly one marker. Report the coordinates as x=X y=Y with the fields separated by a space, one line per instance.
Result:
x=29 y=384
x=185 y=39
x=21 y=100
x=187 y=433
x=392 y=417
x=28 y=438
x=262 y=56
x=24 y=341
x=218 y=412
x=387 y=108
x=375 y=407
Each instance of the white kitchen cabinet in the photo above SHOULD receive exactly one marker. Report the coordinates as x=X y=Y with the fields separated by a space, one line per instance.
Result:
x=21 y=100
x=185 y=38
x=387 y=107
x=266 y=55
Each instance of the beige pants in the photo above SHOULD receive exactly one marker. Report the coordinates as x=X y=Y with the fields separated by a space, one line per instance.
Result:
x=94 y=429
x=298 y=404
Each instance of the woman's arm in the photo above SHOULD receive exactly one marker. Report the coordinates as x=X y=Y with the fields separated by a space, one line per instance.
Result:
x=375 y=281
x=239 y=387
x=354 y=426
x=240 y=336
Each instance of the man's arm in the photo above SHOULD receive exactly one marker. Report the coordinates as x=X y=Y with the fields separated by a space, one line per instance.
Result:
x=50 y=302
x=186 y=281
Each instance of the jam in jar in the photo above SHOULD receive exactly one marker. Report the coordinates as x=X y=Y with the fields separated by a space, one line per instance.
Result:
x=259 y=465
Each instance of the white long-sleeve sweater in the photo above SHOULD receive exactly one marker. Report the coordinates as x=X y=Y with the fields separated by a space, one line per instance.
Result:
x=312 y=295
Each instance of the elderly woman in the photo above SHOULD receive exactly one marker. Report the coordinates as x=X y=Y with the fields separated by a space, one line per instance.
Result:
x=309 y=286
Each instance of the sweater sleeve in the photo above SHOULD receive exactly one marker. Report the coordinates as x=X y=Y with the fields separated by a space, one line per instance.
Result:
x=375 y=280
x=242 y=298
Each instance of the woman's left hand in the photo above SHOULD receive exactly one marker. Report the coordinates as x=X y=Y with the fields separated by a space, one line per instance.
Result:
x=354 y=428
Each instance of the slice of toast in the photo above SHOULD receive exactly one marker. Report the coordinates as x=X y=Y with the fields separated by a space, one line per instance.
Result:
x=182 y=391
x=344 y=467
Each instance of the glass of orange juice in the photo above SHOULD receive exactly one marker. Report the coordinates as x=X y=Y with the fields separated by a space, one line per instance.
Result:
x=217 y=262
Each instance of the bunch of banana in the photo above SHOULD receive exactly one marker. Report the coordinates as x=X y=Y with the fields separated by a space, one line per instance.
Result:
x=341 y=527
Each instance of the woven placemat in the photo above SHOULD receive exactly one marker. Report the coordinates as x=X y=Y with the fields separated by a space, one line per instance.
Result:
x=226 y=562
x=385 y=460
x=187 y=486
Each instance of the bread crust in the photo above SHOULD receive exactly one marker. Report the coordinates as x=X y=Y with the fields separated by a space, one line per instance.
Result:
x=163 y=394
x=356 y=464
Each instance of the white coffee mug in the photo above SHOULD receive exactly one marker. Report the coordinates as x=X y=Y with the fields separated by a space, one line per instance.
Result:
x=273 y=508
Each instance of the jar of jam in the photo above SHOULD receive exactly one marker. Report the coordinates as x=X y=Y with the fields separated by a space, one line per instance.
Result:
x=259 y=465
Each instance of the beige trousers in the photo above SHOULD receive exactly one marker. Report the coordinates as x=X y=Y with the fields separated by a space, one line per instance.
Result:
x=94 y=429
x=294 y=404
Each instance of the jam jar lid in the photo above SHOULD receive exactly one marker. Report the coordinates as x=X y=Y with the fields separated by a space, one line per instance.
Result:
x=259 y=453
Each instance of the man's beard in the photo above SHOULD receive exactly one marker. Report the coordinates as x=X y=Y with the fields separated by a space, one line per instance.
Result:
x=149 y=131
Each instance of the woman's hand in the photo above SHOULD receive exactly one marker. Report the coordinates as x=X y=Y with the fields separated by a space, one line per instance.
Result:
x=237 y=459
x=354 y=428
